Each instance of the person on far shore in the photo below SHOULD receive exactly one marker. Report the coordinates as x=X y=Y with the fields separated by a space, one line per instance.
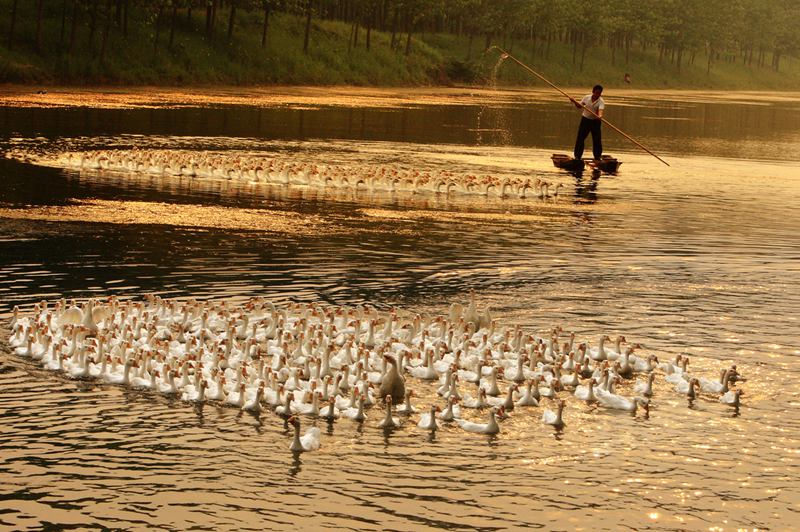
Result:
x=592 y=105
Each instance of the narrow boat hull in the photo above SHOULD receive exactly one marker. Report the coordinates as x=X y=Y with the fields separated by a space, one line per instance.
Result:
x=606 y=164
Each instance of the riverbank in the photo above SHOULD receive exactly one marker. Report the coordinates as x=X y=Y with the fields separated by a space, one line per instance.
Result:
x=332 y=59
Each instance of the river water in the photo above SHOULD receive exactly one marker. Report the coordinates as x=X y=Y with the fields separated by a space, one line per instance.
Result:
x=701 y=257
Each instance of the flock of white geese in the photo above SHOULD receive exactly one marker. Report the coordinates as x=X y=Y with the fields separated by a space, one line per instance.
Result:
x=288 y=172
x=310 y=360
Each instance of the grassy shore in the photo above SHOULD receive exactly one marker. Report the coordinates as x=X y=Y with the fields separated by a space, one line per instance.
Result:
x=434 y=59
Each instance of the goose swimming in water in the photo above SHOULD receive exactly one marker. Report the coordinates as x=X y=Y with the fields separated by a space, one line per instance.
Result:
x=554 y=419
x=308 y=442
x=389 y=422
x=491 y=427
x=428 y=421
x=393 y=384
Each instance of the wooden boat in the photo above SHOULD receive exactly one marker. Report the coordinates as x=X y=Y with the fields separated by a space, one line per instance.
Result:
x=606 y=164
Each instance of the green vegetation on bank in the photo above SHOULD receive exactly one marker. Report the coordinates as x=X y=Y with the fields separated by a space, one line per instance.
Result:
x=396 y=42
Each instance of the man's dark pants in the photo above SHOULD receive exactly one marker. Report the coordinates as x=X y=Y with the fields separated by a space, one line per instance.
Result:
x=589 y=125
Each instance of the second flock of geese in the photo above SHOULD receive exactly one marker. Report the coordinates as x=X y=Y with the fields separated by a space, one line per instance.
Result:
x=288 y=172
x=334 y=362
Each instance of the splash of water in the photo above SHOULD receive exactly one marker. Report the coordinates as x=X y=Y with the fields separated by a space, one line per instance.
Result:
x=495 y=119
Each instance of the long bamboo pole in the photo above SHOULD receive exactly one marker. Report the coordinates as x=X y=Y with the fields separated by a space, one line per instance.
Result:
x=609 y=124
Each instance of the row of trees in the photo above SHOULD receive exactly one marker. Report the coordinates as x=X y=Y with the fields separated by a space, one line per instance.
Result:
x=752 y=31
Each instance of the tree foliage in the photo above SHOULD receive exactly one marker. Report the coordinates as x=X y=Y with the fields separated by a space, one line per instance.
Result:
x=755 y=32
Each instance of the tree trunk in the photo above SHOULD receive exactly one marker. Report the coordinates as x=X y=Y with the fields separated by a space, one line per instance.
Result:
x=574 y=47
x=39 y=25
x=214 y=6
x=627 y=49
x=73 y=31
x=584 y=41
x=351 y=37
x=266 y=24
x=394 y=28
x=369 y=32
x=208 y=20
x=92 y=24
x=125 y=5
x=469 y=45
x=158 y=28
x=63 y=22
x=172 y=25
x=106 y=30
x=308 y=27
x=408 y=43
x=231 y=21
x=13 y=23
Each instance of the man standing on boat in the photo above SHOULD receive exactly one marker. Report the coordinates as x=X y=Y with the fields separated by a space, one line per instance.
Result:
x=592 y=105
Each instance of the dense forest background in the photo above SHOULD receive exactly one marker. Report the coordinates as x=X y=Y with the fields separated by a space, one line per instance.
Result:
x=665 y=43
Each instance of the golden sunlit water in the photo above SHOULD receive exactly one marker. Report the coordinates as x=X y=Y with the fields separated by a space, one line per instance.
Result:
x=701 y=258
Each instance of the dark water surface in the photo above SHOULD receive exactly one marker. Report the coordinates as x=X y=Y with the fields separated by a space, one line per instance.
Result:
x=701 y=257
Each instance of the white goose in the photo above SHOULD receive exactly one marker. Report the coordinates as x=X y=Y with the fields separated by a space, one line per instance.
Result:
x=731 y=398
x=357 y=413
x=618 y=402
x=712 y=386
x=406 y=408
x=389 y=422
x=586 y=392
x=428 y=421
x=451 y=412
x=330 y=412
x=527 y=398
x=645 y=388
x=688 y=388
x=492 y=427
x=478 y=402
x=554 y=419
x=309 y=442
x=254 y=405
